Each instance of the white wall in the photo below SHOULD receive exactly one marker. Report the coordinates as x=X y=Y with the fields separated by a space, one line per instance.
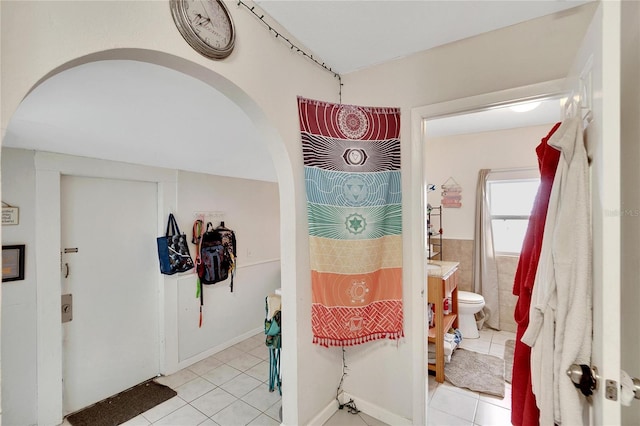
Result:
x=262 y=76
x=462 y=156
x=19 y=400
x=229 y=317
x=251 y=209
x=532 y=52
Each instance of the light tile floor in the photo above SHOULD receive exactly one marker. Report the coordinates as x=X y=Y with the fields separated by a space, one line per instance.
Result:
x=449 y=405
x=231 y=388
x=452 y=406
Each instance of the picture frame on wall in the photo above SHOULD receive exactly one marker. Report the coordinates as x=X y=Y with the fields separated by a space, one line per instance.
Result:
x=13 y=262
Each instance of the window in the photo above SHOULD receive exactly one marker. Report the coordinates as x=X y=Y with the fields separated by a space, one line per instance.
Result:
x=511 y=202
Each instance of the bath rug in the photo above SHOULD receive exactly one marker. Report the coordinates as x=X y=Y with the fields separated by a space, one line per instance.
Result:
x=477 y=372
x=508 y=359
x=124 y=406
x=351 y=160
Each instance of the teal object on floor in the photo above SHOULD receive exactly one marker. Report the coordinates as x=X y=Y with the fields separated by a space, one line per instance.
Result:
x=273 y=340
x=274 y=370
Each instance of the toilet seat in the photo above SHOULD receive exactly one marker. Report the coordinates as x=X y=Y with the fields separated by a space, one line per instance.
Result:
x=469 y=298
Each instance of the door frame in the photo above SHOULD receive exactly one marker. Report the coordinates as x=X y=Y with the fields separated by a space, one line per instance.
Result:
x=145 y=364
x=49 y=168
x=418 y=250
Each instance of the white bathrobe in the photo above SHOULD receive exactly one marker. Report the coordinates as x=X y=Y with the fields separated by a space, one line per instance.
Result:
x=559 y=330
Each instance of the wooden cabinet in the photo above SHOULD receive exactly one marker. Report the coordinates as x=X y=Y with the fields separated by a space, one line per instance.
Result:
x=442 y=283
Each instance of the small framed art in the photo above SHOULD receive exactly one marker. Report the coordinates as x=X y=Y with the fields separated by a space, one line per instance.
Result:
x=13 y=262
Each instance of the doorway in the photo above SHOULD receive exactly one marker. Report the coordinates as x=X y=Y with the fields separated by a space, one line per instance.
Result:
x=48 y=168
x=503 y=140
x=112 y=341
x=546 y=90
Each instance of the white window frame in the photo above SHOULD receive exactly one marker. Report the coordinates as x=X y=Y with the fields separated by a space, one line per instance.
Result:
x=510 y=175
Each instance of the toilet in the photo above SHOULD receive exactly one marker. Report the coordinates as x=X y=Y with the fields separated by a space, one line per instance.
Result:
x=468 y=305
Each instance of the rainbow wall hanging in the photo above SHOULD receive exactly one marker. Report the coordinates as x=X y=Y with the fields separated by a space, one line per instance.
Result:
x=352 y=173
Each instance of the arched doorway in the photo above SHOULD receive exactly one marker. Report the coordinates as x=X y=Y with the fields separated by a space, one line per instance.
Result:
x=47 y=286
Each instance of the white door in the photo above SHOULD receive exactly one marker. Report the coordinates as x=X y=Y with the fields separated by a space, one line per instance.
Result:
x=112 y=342
x=595 y=78
x=630 y=176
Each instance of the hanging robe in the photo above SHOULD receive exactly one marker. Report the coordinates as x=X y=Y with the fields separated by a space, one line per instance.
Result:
x=524 y=411
x=560 y=325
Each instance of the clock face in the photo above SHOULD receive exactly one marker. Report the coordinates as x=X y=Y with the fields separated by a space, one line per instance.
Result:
x=210 y=22
x=206 y=25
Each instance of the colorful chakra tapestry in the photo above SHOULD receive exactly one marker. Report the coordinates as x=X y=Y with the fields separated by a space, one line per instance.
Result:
x=352 y=175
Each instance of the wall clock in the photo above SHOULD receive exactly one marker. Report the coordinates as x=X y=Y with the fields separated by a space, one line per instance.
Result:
x=206 y=25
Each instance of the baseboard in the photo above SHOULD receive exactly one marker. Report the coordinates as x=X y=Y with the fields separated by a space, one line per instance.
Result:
x=324 y=414
x=364 y=406
x=206 y=354
x=375 y=411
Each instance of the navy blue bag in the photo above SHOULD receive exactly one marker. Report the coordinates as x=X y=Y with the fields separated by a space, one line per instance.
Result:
x=173 y=251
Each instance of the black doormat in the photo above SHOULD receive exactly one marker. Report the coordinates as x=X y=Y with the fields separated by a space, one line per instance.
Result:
x=124 y=406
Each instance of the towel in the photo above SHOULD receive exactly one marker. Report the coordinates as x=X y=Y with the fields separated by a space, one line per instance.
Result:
x=449 y=347
x=273 y=305
x=432 y=359
x=524 y=409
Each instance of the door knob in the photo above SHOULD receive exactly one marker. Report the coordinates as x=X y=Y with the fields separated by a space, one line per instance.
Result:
x=630 y=383
x=584 y=378
x=636 y=388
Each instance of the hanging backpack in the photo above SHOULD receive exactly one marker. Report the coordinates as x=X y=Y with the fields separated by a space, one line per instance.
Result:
x=215 y=261
x=215 y=258
x=228 y=239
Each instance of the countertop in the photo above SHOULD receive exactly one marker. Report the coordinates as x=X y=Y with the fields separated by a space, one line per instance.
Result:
x=441 y=268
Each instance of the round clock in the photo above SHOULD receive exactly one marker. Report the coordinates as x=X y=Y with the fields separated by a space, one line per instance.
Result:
x=206 y=25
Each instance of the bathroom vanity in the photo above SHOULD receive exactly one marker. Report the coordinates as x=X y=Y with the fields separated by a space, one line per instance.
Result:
x=442 y=278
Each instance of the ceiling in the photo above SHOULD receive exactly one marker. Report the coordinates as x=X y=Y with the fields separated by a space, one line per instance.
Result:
x=354 y=34
x=142 y=113
x=507 y=117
